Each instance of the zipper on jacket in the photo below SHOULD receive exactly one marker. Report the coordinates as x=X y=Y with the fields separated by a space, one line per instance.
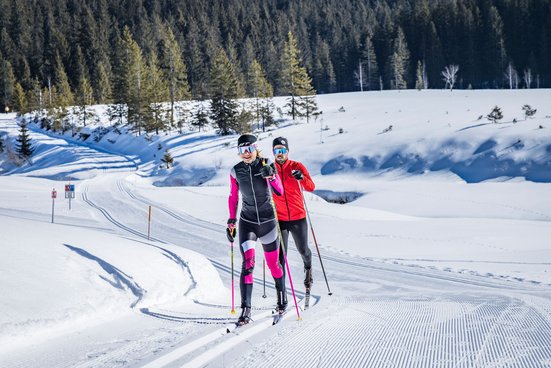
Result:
x=285 y=194
x=254 y=195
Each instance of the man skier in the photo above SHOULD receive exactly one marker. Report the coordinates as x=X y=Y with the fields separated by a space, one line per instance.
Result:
x=290 y=207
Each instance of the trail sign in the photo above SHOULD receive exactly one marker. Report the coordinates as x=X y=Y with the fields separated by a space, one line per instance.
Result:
x=69 y=192
x=54 y=196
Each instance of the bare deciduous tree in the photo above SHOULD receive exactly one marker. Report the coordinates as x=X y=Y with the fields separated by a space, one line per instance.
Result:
x=512 y=76
x=527 y=77
x=449 y=75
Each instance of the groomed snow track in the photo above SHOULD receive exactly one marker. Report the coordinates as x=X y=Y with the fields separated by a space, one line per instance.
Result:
x=380 y=315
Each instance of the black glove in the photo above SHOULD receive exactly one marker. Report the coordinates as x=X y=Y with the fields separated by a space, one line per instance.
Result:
x=231 y=230
x=267 y=171
x=297 y=174
x=230 y=233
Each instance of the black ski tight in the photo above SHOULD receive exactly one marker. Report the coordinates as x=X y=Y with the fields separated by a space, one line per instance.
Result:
x=299 y=231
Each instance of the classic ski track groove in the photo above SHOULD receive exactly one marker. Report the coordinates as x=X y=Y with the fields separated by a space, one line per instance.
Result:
x=495 y=331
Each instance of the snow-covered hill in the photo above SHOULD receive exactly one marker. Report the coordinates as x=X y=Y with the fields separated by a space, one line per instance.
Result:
x=440 y=257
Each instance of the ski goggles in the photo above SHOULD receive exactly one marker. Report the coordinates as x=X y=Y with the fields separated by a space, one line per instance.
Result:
x=244 y=149
x=280 y=151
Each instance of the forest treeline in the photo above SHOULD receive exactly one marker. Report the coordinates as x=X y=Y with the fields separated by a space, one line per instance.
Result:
x=80 y=46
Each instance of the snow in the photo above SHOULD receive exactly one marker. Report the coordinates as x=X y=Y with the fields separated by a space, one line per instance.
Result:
x=439 y=257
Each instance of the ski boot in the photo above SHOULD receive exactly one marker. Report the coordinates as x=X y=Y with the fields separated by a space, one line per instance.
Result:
x=281 y=299
x=308 y=281
x=245 y=317
x=281 y=295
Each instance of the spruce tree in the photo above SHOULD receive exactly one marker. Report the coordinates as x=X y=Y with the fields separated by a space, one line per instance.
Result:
x=7 y=84
x=295 y=80
x=419 y=84
x=156 y=91
x=35 y=99
x=174 y=71
x=224 y=88
x=85 y=99
x=495 y=115
x=167 y=159
x=103 y=93
x=261 y=90
x=528 y=111
x=370 y=66
x=63 y=97
x=399 y=61
x=19 y=101
x=200 y=118
x=131 y=83
x=24 y=147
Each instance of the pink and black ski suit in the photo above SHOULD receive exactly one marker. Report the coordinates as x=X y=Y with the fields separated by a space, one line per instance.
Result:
x=256 y=221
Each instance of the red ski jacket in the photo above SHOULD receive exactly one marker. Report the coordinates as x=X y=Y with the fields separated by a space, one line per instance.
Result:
x=290 y=206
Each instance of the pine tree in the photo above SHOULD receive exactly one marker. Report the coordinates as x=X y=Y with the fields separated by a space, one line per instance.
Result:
x=182 y=115
x=196 y=61
x=24 y=147
x=399 y=61
x=64 y=96
x=84 y=99
x=495 y=115
x=295 y=79
x=224 y=87
x=528 y=111
x=167 y=159
x=131 y=82
x=174 y=71
x=102 y=85
x=35 y=99
x=309 y=107
x=200 y=118
x=494 y=54
x=421 y=76
x=370 y=66
x=7 y=84
x=156 y=91
x=261 y=90
x=19 y=101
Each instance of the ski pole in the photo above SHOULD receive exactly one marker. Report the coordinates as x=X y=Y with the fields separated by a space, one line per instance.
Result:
x=283 y=245
x=314 y=237
x=232 y=284
x=264 y=276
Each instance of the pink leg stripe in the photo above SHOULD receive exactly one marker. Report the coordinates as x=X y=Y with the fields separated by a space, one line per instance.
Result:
x=272 y=261
x=249 y=264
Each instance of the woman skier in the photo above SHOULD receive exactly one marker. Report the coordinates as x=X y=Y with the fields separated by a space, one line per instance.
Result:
x=257 y=220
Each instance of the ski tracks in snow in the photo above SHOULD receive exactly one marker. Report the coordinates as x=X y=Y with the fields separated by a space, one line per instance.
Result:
x=456 y=330
x=380 y=316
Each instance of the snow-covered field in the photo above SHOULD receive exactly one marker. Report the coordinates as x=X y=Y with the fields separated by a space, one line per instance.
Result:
x=442 y=259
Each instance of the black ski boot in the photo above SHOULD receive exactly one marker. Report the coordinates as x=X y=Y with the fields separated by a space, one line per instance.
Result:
x=281 y=295
x=245 y=317
x=308 y=280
